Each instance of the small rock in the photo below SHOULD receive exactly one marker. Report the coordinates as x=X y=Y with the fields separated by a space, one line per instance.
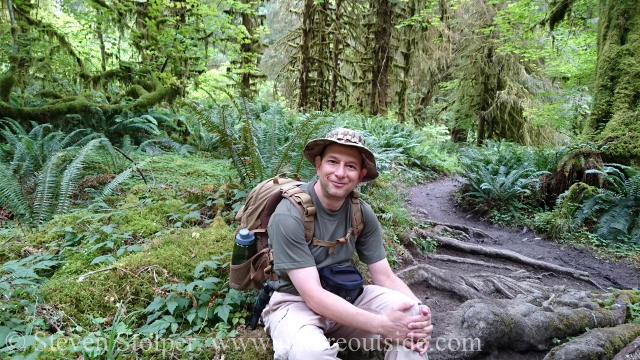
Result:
x=537 y=239
x=525 y=229
x=525 y=239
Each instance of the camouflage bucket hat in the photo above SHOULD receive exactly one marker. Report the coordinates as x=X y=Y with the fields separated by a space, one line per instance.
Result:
x=344 y=137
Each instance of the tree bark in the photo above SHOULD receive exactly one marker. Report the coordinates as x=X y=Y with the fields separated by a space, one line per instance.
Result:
x=381 y=58
x=305 y=53
x=335 y=72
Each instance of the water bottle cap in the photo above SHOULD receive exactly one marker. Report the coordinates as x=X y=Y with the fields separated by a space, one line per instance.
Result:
x=244 y=237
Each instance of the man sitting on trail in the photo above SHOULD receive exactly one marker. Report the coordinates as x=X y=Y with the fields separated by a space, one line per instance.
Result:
x=302 y=317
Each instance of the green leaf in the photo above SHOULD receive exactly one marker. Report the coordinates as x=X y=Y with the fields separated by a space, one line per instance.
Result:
x=171 y=306
x=156 y=305
x=223 y=312
x=192 y=215
x=105 y=258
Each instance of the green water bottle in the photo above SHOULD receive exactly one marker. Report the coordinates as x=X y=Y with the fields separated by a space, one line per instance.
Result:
x=244 y=248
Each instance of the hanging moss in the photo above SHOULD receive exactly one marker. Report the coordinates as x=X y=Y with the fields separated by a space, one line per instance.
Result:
x=559 y=9
x=6 y=84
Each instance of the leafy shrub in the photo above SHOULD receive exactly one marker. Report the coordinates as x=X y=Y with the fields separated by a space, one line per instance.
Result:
x=19 y=282
x=559 y=222
x=206 y=304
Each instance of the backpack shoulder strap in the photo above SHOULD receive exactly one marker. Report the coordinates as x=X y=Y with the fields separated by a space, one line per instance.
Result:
x=356 y=215
x=302 y=202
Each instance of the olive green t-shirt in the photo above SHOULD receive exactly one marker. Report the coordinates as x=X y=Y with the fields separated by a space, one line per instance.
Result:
x=291 y=251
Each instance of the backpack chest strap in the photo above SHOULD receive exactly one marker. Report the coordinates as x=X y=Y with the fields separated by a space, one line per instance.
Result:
x=332 y=244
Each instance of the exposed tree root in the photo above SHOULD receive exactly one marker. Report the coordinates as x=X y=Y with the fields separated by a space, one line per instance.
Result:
x=630 y=352
x=469 y=261
x=470 y=231
x=601 y=344
x=488 y=324
x=519 y=284
x=508 y=255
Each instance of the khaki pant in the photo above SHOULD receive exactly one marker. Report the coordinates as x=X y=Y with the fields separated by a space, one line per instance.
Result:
x=298 y=333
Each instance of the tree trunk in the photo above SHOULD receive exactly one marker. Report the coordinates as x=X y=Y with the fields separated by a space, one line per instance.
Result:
x=381 y=58
x=617 y=93
x=305 y=52
x=336 y=55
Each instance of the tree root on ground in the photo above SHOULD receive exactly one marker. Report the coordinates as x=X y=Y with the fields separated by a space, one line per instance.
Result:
x=469 y=261
x=484 y=325
x=470 y=231
x=519 y=284
x=601 y=343
x=508 y=255
x=630 y=352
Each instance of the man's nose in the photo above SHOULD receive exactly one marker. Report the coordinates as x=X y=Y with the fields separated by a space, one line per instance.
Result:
x=340 y=171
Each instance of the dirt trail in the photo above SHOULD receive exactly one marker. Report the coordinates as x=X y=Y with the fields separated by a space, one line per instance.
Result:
x=433 y=201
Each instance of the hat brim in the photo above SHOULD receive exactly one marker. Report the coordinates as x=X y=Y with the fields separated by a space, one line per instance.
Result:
x=314 y=148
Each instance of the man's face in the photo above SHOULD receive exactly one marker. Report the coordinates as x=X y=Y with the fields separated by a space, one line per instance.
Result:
x=339 y=171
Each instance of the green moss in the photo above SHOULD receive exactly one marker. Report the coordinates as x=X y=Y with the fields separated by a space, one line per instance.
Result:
x=6 y=84
x=622 y=136
x=188 y=171
x=136 y=91
x=146 y=220
x=169 y=258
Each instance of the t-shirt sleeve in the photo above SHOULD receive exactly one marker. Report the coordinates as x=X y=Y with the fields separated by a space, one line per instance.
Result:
x=286 y=239
x=369 y=244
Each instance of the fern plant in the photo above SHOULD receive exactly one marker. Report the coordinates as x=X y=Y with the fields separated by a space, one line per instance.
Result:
x=617 y=209
x=261 y=145
x=501 y=176
x=44 y=170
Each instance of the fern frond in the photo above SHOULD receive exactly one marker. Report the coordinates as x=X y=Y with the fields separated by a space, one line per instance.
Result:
x=46 y=189
x=110 y=187
x=72 y=138
x=13 y=126
x=12 y=196
x=71 y=175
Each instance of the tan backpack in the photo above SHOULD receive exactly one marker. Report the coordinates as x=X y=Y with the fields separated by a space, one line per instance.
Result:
x=255 y=214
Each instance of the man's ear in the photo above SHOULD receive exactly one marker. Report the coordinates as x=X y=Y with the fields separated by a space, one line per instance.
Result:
x=363 y=173
x=318 y=162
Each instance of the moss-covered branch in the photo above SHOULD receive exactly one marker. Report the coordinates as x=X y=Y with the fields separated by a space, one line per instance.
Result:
x=78 y=105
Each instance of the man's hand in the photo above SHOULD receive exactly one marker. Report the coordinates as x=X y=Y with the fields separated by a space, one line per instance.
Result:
x=421 y=331
x=413 y=331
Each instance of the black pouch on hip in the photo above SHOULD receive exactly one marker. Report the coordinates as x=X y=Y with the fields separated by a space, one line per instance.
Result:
x=344 y=281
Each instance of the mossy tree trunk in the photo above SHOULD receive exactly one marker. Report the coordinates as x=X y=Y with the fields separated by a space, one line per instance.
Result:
x=305 y=52
x=616 y=102
x=335 y=56
x=382 y=57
